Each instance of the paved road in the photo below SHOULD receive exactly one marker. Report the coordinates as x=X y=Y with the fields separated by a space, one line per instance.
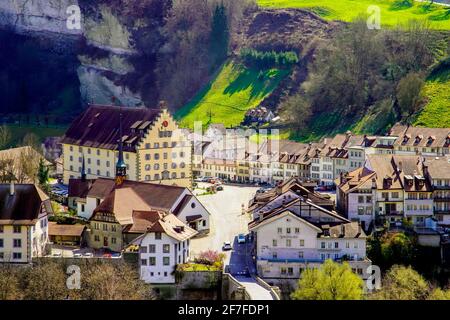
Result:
x=255 y=291
x=226 y=220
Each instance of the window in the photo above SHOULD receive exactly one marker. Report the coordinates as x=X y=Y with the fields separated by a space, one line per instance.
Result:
x=143 y=262
x=360 y=199
x=17 y=243
x=148 y=167
x=288 y=230
x=283 y=270
x=302 y=243
x=156 y=156
x=166 y=261
x=147 y=146
x=336 y=245
x=395 y=195
x=280 y=230
x=166 y=248
x=156 y=145
x=274 y=242
x=193 y=205
x=17 y=229
x=82 y=208
x=297 y=230
x=288 y=243
x=105 y=227
x=17 y=255
x=157 y=235
x=113 y=240
x=290 y=271
x=322 y=245
x=143 y=249
x=152 y=261
x=1 y=243
x=274 y=255
x=300 y=254
x=1 y=229
x=98 y=162
x=151 y=248
x=156 y=166
x=96 y=238
x=347 y=244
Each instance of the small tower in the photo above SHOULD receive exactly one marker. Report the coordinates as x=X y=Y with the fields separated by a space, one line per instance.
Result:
x=121 y=167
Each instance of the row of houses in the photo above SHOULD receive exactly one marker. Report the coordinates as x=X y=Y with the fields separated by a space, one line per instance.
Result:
x=234 y=156
x=396 y=187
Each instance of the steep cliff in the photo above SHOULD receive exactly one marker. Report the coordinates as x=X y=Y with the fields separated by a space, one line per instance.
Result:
x=104 y=55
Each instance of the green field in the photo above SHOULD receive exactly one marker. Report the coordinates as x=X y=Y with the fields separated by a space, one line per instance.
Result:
x=392 y=12
x=436 y=112
x=229 y=95
x=18 y=132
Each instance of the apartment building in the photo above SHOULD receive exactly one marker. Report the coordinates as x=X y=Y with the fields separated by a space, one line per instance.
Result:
x=296 y=234
x=163 y=242
x=392 y=188
x=24 y=212
x=153 y=146
x=437 y=171
x=424 y=141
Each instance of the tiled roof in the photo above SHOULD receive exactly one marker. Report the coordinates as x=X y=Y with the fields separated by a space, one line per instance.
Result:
x=420 y=137
x=98 y=127
x=140 y=196
x=55 y=229
x=24 y=206
x=438 y=167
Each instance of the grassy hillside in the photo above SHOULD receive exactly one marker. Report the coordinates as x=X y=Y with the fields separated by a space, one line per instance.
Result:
x=436 y=112
x=229 y=95
x=18 y=132
x=392 y=12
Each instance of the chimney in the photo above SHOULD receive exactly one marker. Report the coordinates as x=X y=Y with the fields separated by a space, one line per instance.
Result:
x=400 y=166
x=12 y=190
x=374 y=183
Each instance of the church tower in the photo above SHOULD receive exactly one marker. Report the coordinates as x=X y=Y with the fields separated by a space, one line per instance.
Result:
x=121 y=167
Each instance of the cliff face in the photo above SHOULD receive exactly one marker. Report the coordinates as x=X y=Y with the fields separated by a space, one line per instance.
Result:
x=102 y=54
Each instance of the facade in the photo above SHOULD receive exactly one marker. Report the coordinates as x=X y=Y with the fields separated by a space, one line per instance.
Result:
x=23 y=222
x=389 y=187
x=293 y=233
x=163 y=243
x=438 y=174
x=154 y=149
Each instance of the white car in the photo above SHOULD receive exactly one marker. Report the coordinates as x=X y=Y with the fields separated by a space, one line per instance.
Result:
x=88 y=255
x=77 y=255
x=227 y=246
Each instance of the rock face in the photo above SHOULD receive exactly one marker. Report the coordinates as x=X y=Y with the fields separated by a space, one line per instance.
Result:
x=103 y=43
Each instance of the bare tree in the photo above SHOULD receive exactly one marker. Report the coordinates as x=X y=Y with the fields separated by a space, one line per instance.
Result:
x=5 y=136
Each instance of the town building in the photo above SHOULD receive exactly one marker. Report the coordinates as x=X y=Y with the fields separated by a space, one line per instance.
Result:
x=421 y=141
x=24 y=211
x=66 y=234
x=437 y=171
x=163 y=242
x=297 y=234
x=154 y=148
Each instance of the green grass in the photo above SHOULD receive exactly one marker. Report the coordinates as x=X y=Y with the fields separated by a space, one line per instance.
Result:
x=436 y=113
x=229 y=95
x=197 y=267
x=18 y=132
x=392 y=12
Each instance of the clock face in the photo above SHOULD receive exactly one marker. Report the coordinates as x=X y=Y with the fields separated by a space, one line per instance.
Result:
x=165 y=124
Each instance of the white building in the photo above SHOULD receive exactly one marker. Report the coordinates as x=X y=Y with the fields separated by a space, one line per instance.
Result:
x=164 y=244
x=24 y=211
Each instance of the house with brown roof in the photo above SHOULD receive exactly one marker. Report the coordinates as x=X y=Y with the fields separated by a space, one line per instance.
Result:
x=154 y=148
x=301 y=235
x=163 y=241
x=24 y=211
x=112 y=217
x=389 y=188
x=66 y=234
x=421 y=141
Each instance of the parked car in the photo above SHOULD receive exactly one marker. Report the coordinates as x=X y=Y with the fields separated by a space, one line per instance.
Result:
x=241 y=238
x=227 y=246
x=77 y=255
x=88 y=255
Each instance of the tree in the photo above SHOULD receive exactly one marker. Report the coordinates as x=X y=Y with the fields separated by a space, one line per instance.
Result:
x=220 y=35
x=32 y=140
x=5 y=136
x=332 y=281
x=402 y=283
x=9 y=283
x=296 y=111
x=409 y=93
x=42 y=173
x=439 y=294
x=397 y=248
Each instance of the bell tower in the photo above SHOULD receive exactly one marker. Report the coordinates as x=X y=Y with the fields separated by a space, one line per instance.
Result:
x=121 y=167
